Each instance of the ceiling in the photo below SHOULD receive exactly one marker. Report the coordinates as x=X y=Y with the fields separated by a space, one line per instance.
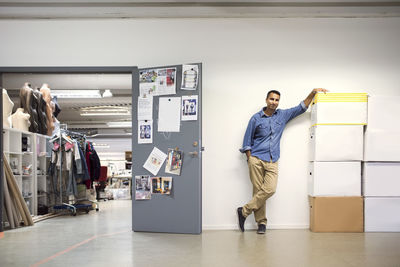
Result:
x=120 y=85
x=92 y=9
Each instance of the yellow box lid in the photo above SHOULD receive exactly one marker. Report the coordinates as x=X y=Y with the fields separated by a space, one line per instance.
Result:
x=340 y=97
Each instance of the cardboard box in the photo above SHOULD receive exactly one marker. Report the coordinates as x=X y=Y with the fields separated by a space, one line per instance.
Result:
x=382 y=214
x=381 y=145
x=383 y=113
x=334 y=179
x=337 y=143
x=381 y=179
x=336 y=214
x=339 y=108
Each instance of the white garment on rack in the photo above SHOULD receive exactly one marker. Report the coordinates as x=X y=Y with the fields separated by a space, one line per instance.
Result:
x=56 y=126
x=76 y=151
x=59 y=158
x=78 y=162
x=58 y=164
x=68 y=160
x=54 y=157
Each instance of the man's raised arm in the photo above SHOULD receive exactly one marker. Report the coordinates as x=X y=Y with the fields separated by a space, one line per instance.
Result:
x=310 y=97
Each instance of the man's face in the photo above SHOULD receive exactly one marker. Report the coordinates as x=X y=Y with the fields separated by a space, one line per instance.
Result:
x=272 y=101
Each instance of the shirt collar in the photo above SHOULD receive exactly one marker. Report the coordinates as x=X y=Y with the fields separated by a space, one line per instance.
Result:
x=263 y=114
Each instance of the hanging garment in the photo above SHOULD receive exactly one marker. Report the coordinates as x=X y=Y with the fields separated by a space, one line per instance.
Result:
x=71 y=186
x=29 y=104
x=82 y=173
x=93 y=161
x=95 y=165
x=77 y=155
x=87 y=157
x=41 y=111
x=45 y=90
x=52 y=171
x=57 y=108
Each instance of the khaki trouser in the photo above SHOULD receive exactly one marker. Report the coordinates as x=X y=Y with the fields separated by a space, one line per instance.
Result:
x=264 y=177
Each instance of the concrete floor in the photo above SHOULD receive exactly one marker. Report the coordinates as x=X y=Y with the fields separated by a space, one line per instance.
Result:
x=105 y=239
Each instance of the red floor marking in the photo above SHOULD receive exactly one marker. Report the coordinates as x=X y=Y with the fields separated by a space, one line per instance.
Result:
x=73 y=247
x=1 y=235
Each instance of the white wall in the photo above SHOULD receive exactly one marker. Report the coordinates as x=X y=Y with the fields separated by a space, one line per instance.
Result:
x=243 y=59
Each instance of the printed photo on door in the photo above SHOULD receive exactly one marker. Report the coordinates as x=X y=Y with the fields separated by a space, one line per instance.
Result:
x=174 y=161
x=189 y=108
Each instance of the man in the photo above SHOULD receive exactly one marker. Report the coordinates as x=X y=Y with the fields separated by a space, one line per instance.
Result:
x=262 y=147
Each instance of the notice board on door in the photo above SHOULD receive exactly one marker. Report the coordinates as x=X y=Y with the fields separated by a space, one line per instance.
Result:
x=167 y=150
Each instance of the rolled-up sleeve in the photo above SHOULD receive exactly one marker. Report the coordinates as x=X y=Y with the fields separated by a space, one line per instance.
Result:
x=295 y=111
x=248 y=136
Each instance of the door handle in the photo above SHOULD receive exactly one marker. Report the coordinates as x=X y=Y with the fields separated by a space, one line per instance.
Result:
x=194 y=154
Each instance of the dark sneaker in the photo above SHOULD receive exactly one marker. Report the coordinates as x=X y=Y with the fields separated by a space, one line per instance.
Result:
x=241 y=218
x=261 y=229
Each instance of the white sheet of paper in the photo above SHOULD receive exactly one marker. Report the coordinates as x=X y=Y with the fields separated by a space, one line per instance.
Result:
x=145 y=132
x=147 y=89
x=169 y=114
x=155 y=160
x=190 y=76
x=145 y=108
x=189 y=107
x=166 y=84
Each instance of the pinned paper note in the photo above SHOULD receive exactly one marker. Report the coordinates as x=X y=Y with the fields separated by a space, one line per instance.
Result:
x=166 y=81
x=190 y=76
x=154 y=161
x=169 y=114
x=145 y=108
x=145 y=132
x=189 y=108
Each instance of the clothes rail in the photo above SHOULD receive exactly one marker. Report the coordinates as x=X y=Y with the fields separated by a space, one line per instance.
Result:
x=66 y=136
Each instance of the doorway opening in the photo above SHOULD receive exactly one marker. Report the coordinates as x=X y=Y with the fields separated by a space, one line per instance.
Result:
x=95 y=102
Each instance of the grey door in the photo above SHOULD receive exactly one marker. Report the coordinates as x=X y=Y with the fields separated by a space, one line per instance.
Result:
x=179 y=212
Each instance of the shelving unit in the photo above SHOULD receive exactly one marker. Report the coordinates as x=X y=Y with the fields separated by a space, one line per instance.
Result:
x=42 y=158
x=28 y=155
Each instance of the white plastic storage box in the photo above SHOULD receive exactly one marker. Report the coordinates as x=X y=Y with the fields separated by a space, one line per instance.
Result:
x=383 y=113
x=381 y=179
x=339 y=108
x=381 y=145
x=334 y=179
x=336 y=142
x=382 y=214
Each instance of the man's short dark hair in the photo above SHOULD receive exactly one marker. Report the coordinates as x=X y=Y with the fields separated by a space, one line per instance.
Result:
x=273 y=92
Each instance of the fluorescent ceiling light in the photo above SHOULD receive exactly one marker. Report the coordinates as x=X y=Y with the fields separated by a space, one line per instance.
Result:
x=105 y=111
x=105 y=155
x=107 y=93
x=97 y=145
x=97 y=113
x=76 y=93
x=117 y=124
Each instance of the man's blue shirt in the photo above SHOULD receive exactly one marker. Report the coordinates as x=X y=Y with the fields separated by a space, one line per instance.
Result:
x=263 y=133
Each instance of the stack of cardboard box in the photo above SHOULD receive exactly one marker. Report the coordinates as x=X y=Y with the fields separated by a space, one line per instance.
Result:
x=336 y=139
x=381 y=166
